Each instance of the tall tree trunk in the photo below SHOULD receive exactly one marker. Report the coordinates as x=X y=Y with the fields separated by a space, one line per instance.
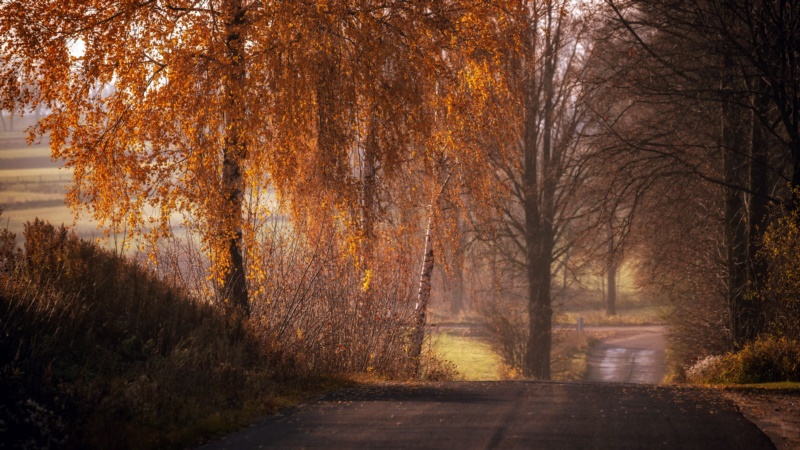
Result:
x=734 y=144
x=795 y=147
x=234 y=155
x=537 y=351
x=457 y=291
x=757 y=216
x=540 y=312
x=540 y=198
x=611 y=271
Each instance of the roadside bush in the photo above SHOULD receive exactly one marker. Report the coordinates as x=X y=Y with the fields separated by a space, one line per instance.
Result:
x=91 y=341
x=764 y=360
x=318 y=311
x=780 y=296
x=508 y=326
x=97 y=352
x=705 y=369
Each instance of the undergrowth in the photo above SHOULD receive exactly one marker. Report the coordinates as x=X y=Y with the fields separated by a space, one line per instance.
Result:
x=570 y=355
x=97 y=351
x=92 y=342
x=508 y=328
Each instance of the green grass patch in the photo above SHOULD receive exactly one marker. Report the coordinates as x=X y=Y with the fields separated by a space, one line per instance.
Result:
x=473 y=358
x=10 y=197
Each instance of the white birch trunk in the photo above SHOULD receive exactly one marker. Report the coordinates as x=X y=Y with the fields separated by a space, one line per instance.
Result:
x=424 y=293
x=423 y=296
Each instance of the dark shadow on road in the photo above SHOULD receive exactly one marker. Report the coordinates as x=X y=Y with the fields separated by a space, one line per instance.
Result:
x=410 y=393
x=513 y=415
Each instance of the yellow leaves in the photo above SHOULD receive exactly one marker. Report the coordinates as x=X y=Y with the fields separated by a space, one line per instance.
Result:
x=366 y=280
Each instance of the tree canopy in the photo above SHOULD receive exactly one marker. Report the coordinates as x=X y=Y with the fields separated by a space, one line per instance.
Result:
x=199 y=107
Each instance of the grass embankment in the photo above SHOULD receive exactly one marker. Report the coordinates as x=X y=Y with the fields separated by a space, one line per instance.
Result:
x=96 y=352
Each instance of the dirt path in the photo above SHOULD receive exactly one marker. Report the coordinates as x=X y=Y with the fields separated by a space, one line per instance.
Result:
x=635 y=356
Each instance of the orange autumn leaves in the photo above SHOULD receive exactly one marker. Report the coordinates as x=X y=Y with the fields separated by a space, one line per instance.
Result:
x=166 y=94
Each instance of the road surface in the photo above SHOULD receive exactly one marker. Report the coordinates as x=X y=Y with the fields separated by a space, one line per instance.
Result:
x=507 y=415
x=633 y=359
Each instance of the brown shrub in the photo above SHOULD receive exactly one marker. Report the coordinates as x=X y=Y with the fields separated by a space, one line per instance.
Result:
x=90 y=341
x=764 y=360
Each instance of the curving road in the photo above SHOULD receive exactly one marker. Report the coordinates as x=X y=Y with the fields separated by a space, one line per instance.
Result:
x=507 y=415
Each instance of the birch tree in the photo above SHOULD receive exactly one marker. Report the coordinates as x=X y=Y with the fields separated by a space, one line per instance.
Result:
x=163 y=107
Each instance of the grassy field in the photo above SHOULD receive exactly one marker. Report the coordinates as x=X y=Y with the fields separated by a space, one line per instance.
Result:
x=25 y=152
x=31 y=187
x=30 y=175
x=473 y=358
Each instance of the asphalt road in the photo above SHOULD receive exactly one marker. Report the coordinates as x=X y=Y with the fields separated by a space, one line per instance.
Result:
x=507 y=415
x=633 y=359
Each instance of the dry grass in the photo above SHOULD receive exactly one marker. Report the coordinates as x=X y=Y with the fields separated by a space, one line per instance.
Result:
x=91 y=342
x=776 y=411
x=646 y=315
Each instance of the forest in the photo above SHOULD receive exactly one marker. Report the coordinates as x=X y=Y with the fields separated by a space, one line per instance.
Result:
x=294 y=183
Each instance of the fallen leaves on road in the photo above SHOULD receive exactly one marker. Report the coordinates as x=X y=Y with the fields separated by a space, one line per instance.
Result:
x=776 y=413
